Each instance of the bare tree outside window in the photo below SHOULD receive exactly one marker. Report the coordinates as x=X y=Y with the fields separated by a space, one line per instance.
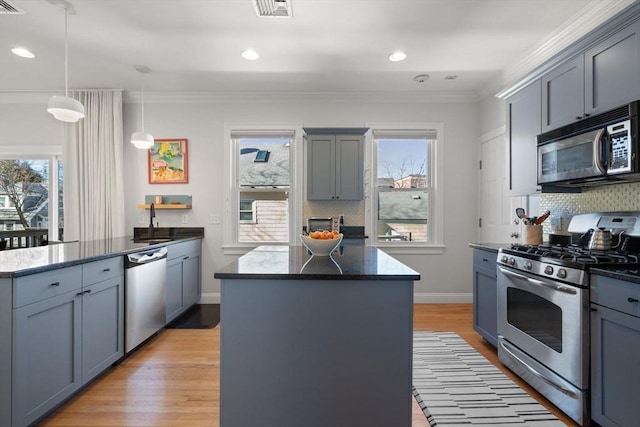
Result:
x=24 y=182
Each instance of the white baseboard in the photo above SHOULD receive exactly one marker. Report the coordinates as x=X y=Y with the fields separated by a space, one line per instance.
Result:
x=418 y=298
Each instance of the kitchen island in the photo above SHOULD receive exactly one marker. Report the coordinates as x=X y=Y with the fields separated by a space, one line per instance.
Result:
x=316 y=341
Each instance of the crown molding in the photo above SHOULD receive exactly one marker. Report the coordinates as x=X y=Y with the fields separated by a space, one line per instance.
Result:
x=592 y=24
x=41 y=97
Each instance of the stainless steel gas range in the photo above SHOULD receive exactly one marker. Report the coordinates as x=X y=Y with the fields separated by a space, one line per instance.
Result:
x=543 y=306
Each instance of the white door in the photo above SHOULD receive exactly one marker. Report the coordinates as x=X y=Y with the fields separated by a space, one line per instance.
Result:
x=497 y=209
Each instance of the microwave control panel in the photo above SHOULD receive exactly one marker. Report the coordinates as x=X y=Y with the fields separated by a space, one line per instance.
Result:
x=620 y=137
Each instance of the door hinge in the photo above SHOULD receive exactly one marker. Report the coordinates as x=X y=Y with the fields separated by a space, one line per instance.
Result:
x=480 y=164
x=480 y=222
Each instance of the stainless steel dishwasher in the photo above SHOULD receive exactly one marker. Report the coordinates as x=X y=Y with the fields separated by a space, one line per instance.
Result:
x=145 y=284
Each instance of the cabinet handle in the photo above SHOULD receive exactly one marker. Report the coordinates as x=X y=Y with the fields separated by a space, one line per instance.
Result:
x=632 y=299
x=485 y=260
x=587 y=114
x=55 y=284
x=106 y=269
x=185 y=258
x=578 y=117
x=88 y=291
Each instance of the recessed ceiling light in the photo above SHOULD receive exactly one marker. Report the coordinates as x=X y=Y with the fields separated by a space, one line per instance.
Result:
x=421 y=78
x=250 y=54
x=451 y=77
x=397 y=56
x=20 y=51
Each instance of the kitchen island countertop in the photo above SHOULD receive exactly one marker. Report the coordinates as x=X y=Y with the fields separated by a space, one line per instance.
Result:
x=25 y=261
x=295 y=263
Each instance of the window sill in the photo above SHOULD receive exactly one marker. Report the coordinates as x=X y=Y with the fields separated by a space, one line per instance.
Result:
x=413 y=249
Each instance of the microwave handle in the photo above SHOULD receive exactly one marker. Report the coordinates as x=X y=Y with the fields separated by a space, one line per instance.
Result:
x=598 y=143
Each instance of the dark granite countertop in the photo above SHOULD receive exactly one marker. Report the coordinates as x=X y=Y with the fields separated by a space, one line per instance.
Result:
x=628 y=275
x=25 y=261
x=295 y=263
x=491 y=247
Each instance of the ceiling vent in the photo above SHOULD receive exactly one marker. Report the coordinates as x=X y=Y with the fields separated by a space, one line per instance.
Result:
x=272 y=8
x=7 y=8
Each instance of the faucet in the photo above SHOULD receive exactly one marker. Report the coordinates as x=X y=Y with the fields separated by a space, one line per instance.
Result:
x=152 y=214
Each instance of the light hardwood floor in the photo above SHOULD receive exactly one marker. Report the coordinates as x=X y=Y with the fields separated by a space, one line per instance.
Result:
x=174 y=379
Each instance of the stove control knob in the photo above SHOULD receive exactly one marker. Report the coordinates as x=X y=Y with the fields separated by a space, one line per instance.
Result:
x=504 y=259
x=512 y=261
x=562 y=273
x=528 y=265
x=548 y=270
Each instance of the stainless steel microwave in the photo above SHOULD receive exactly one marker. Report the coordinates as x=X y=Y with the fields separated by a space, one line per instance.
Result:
x=597 y=150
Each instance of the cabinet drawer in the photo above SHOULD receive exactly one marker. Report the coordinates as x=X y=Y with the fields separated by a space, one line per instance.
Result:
x=485 y=260
x=616 y=294
x=183 y=249
x=41 y=286
x=94 y=272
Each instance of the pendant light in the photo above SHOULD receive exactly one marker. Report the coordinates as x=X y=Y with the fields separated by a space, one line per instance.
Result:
x=65 y=108
x=142 y=140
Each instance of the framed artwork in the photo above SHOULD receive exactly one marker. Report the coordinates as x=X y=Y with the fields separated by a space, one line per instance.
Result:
x=168 y=162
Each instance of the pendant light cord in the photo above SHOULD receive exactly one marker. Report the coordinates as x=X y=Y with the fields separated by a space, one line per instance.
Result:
x=143 y=102
x=66 y=55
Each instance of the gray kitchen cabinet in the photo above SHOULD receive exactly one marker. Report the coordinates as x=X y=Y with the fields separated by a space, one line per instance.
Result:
x=563 y=94
x=485 y=283
x=523 y=121
x=615 y=352
x=612 y=71
x=102 y=316
x=68 y=328
x=184 y=283
x=335 y=167
x=46 y=344
x=605 y=76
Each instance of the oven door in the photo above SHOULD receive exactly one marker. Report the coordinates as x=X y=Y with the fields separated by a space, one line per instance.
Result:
x=547 y=320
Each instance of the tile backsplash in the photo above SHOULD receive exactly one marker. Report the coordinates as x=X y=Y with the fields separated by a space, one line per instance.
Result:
x=353 y=211
x=606 y=198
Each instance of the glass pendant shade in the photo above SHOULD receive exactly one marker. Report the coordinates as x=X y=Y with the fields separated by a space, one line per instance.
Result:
x=142 y=140
x=65 y=109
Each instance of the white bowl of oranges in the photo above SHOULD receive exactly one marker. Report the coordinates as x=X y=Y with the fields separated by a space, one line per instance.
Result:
x=321 y=243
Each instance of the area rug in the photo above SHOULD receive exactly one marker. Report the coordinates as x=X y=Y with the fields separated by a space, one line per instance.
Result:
x=200 y=316
x=457 y=386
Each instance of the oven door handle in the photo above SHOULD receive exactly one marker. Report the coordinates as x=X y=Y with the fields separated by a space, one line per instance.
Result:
x=536 y=373
x=554 y=286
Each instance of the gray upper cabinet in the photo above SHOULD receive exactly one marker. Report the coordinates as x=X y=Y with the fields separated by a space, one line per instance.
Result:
x=523 y=121
x=335 y=167
x=605 y=76
x=612 y=71
x=563 y=94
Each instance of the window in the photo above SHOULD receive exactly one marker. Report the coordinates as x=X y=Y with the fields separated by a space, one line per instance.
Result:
x=31 y=194
x=405 y=208
x=262 y=186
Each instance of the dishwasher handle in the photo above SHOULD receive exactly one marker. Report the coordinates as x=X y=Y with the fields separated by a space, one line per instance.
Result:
x=140 y=258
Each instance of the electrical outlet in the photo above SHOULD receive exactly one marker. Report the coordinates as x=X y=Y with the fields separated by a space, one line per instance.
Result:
x=185 y=219
x=214 y=219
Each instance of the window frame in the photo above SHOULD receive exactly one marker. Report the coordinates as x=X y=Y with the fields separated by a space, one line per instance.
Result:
x=231 y=215
x=435 y=170
x=54 y=156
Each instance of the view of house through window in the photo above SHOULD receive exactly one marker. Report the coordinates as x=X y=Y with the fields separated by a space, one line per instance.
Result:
x=263 y=185
x=403 y=186
x=30 y=206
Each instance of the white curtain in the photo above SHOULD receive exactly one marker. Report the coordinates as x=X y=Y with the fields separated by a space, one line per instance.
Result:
x=93 y=171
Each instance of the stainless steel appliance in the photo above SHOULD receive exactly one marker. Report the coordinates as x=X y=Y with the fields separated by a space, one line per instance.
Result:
x=145 y=287
x=319 y=223
x=596 y=150
x=543 y=307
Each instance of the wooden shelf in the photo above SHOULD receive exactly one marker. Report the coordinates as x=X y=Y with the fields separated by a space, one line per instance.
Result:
x=167 y=206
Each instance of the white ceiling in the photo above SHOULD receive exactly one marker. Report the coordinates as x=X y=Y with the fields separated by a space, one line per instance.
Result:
x=328 y=46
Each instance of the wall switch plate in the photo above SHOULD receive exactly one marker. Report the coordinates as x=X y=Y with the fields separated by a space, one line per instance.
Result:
x=185 y=219
x=142 y=219
x=214 y=219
